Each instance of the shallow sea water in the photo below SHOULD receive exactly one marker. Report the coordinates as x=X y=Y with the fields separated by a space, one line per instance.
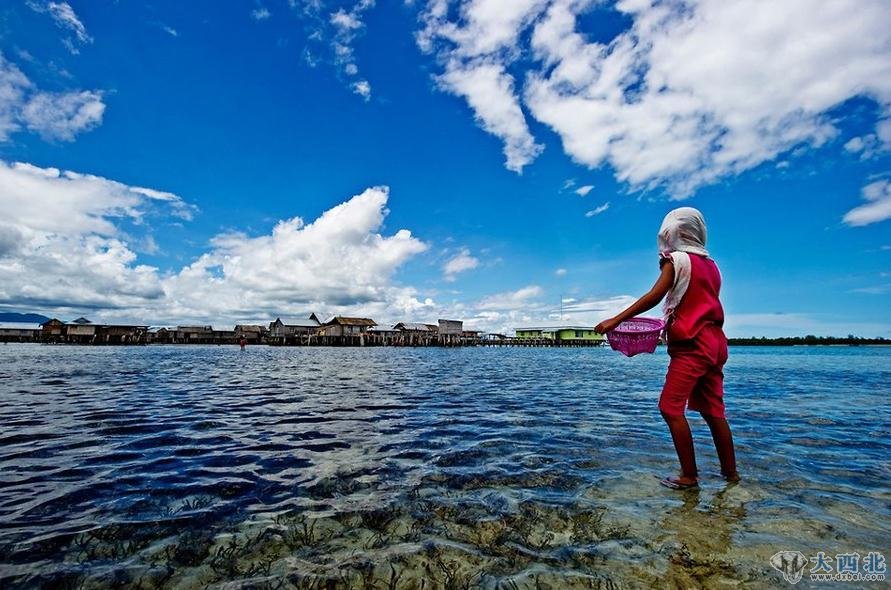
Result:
x=194 y=467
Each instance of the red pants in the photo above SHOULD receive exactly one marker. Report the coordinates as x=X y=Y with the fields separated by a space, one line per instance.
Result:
x=695 y=377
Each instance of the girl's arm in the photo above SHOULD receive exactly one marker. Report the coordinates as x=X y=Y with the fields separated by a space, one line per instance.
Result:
x=647 y=302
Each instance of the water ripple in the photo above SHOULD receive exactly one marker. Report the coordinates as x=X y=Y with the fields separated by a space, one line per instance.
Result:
x=497 y=468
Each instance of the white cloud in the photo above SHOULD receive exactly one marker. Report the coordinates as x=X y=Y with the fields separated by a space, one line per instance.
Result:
x=65 y=18
x=475 y=67
x=63 y=242
x=867 y=146
x=346 y=26
x=489 y=90
x=459 y=263
x=649 y=106
x=484 y=27
x=583 y=191
x=63 y=115
x=560 y=272
x=878 y=207
x=855 y=144
x=362 y=88
x=260 y=14
x=14 y=88
x=648 y=103
x=170 y=30
x=339 y=262
x=69 y=241
x=53 y=115
x=346 y=21
x=51 y=201
x=597 y=210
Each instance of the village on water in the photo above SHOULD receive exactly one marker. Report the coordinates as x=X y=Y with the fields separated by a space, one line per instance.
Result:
x=306 y=331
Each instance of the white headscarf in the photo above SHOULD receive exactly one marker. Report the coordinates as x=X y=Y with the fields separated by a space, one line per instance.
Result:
x=682 y=232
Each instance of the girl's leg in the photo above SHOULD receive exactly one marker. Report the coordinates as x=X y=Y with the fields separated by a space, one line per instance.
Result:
x=724 y=445
x=683 y=444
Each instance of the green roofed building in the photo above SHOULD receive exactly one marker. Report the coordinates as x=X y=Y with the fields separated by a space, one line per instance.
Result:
x=560 y=333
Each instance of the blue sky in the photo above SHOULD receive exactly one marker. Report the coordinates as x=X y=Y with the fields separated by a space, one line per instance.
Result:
x=530 y=148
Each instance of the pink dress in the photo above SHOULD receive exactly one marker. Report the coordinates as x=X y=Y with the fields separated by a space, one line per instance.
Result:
x=697 y=346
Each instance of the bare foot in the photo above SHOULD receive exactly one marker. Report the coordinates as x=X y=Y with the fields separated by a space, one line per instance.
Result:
x=731 y=477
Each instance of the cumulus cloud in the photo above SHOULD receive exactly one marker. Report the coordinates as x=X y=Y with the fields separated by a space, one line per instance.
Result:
x=877 y=208
x=69 y=241
x=693 y=91
x=459 y=263
x=52 y=115
x=63 y=243
x=66 y=19
x=338 y=262
x=560 y=272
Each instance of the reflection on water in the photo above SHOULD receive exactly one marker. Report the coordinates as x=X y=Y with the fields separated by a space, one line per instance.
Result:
x=191 y=467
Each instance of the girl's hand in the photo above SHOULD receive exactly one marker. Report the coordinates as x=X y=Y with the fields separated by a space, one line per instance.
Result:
x=607 y=326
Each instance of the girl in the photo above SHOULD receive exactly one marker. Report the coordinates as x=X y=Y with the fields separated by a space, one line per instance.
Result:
x=690 y=283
